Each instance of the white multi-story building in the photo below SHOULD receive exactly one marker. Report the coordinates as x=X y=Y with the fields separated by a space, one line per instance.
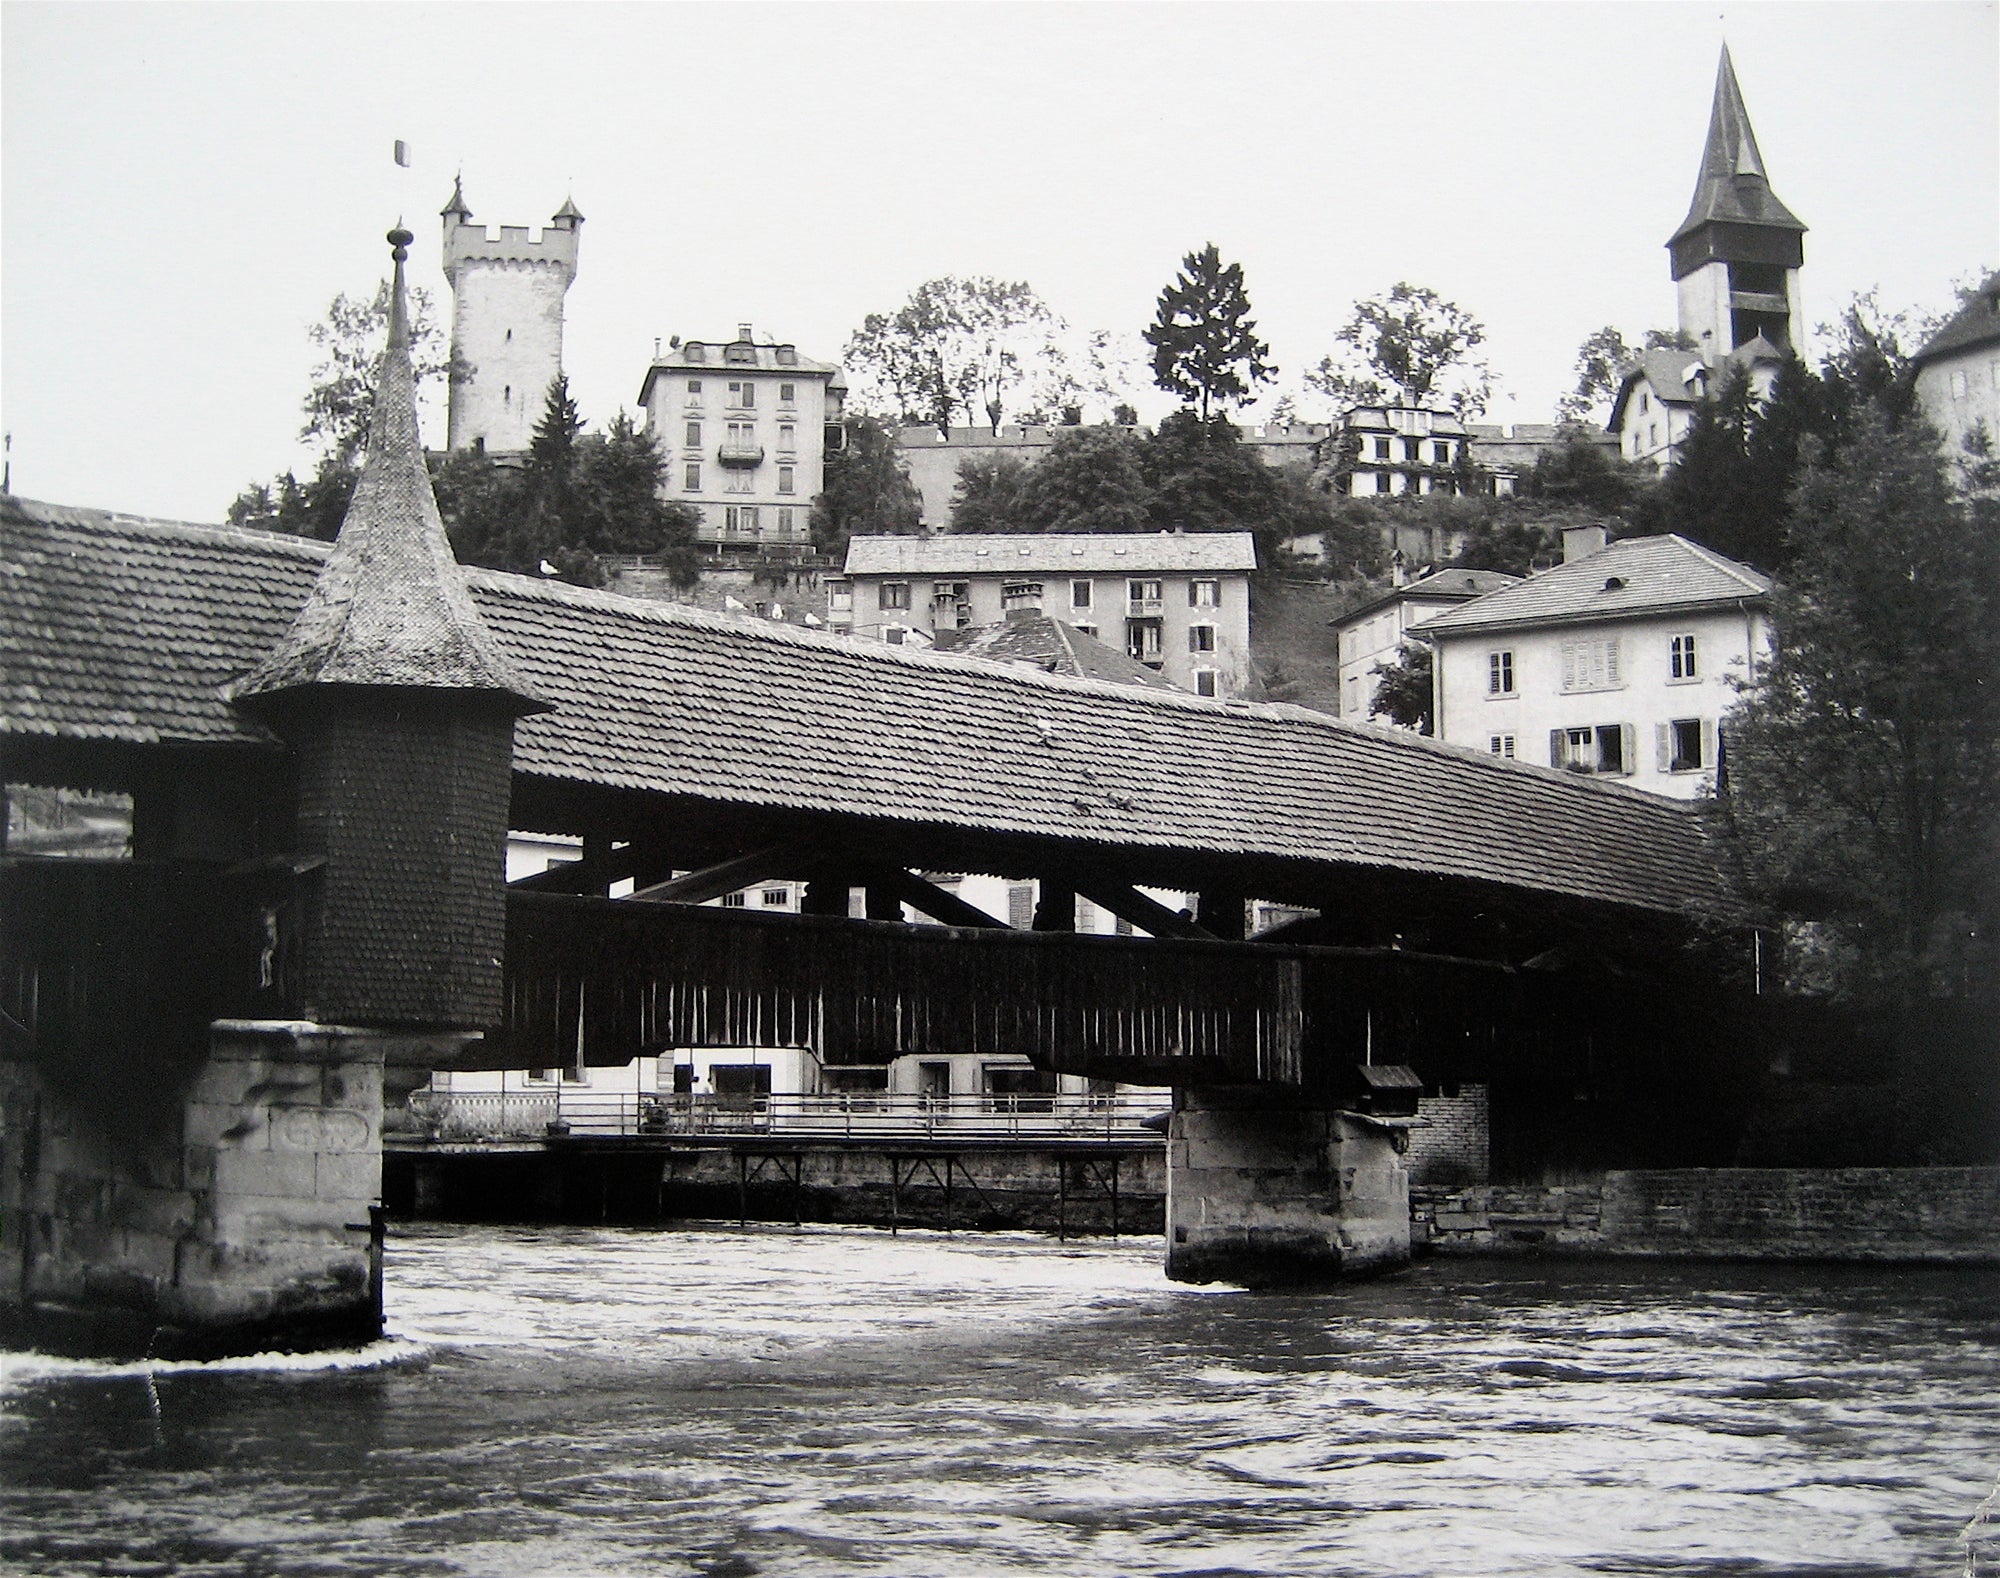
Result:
x=1377 y=631
x=1178 y=602
x=1621 y=660
x=744 y=426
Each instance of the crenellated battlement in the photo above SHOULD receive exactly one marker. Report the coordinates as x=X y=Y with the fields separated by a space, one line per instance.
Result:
x=554 y=246
x=507 y=289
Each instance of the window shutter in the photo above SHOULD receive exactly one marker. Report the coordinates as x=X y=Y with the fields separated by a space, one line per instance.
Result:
x=1569 y=665
x=1628 y=745
x=1611 y=662
x=1557 y=737
x=1663 y=746
x=1708 y=744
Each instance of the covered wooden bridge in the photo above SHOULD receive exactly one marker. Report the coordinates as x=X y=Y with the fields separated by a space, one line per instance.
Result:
x=325 y=749
x=1466 y=906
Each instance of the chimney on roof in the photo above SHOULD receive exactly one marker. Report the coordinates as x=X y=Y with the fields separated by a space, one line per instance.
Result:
x=1580 y=542
x=743 y=331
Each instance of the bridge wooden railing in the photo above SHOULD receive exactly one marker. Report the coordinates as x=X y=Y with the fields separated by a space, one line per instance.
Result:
x=633 y=978
x=111 y=965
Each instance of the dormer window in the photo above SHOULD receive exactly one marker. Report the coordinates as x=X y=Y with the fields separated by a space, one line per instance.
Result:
x=695 y=351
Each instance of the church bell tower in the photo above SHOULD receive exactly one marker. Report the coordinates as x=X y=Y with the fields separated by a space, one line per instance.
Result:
x=1736 y=256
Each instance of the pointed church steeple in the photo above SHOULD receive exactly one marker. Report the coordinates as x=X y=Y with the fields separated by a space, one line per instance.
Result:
x=1737 y=254
x=390 y=606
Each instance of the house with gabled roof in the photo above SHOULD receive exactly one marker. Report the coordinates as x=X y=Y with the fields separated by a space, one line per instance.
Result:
x=1619 y=662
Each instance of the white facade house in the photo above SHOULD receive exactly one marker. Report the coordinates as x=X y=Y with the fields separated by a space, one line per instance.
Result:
x=743 y=425
x=1620 y=661
x=1958 y=371
x=1377 y=632
x=1178 y=602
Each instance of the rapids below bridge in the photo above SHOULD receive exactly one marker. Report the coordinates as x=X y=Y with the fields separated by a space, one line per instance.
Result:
x=838 y=1401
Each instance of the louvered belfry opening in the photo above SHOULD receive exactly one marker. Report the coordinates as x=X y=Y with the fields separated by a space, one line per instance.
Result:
x=399 y=708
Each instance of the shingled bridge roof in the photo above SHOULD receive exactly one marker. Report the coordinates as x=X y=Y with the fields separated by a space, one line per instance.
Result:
x=123 y=630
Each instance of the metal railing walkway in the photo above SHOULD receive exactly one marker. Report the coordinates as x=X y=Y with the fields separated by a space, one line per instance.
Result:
x=1051 y=1118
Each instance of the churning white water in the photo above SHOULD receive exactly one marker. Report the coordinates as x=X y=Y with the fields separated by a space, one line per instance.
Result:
x=840 y=1401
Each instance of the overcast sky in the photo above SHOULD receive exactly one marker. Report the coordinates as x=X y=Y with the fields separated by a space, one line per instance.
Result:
x=185 y=188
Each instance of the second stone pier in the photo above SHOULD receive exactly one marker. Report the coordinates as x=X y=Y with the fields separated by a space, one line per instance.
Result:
x=1266 y=1190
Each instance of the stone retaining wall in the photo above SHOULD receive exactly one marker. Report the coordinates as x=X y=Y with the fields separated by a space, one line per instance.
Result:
x=1944 y=1215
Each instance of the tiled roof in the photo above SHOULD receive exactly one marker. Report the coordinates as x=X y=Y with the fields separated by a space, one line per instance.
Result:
x=1667 y=374
x=1054 y=647
x=1650 y=574
x=1053 y=553
x=127 y=630
x=389 y=607
x=1976 y=323
x=1439 y=586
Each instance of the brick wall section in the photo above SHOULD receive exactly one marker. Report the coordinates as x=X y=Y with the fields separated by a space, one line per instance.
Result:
x=1452 y=1149
x=1943 y=1215
x=406 y=798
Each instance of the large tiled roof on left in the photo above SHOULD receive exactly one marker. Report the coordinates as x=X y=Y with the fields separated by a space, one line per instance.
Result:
x=125 y=630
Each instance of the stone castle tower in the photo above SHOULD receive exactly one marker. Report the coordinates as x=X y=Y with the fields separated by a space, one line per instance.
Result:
x=506 y=322
x=1736 y=256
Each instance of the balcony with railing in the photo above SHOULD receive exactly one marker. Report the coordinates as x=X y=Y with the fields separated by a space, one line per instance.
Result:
x=740 y=454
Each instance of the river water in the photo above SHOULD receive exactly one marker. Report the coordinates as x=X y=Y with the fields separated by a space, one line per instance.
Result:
x=840 y=1401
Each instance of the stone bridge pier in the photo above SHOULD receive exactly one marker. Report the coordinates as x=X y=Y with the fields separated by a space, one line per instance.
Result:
x=1267 y=1189
x=225 y=1210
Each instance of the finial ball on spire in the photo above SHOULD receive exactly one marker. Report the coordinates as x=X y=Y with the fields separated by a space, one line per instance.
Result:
x=399 y=242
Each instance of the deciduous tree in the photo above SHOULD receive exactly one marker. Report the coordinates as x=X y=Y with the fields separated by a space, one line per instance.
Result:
x=1205 y=345
x=351 y=339
x=1601 y=362
x=1093 y=479
x=972 y=346
x=987 y=495
x=1413 y=340
x=866 y=491
x=1403 y=688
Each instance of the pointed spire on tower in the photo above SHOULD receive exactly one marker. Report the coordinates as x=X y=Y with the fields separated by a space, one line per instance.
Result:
x=457 y=204
x=390 y=607
x=569 y=216
x=1733 y=187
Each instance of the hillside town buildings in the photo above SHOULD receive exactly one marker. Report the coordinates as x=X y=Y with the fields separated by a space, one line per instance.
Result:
x=743 y=425
x=1619 y=662
x=507 y=293
x=1179 y=602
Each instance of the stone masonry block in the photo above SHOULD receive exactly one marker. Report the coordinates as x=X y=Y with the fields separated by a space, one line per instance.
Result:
x=230 y=1125
x=291 y=1175
x=356 y=1179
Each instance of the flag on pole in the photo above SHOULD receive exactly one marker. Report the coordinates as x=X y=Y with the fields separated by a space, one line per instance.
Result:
x=402 y=153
